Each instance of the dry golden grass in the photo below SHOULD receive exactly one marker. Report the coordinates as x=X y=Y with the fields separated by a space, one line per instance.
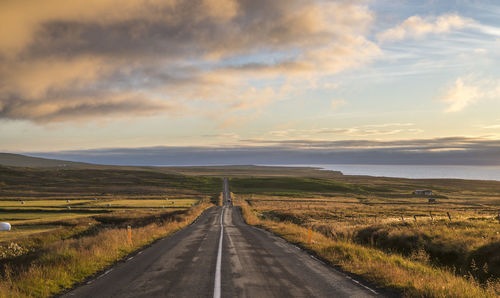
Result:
x=337 y=224
x=61 y=264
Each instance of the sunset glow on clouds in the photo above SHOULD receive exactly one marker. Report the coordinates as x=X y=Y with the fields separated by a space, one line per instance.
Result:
x=59 y=61
x=108 y=73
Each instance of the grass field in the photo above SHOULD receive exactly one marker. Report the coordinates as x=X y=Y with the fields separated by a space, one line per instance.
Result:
x=33 y=197
x=147 y=203
x=68 y=223
x=32 y=216
x=46 y=263
x=39 y=183
x=373 y=227
x=41 y=203
x=377 y=228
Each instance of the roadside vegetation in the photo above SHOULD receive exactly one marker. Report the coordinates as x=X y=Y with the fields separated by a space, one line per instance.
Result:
x=387 y=235
x=46 y=264
x=69 y=224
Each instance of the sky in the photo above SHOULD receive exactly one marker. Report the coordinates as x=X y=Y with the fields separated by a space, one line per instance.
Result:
x=93 y=76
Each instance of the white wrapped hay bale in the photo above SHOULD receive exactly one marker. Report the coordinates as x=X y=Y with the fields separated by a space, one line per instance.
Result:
x=5 y=226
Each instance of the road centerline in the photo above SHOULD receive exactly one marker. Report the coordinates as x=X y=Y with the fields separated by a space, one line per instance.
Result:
x=217 y=282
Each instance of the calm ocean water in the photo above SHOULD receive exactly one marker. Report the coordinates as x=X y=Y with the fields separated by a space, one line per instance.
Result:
x=414 y=171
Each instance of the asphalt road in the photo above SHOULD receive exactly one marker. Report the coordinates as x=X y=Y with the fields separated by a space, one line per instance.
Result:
x=221 y=256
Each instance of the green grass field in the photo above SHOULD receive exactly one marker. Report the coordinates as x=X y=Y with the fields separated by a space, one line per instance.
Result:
x=42 y=203
x=137 y=203
x=20 y=218
x=290 y=185
x=41 y=200
x=37 y=216
x=21 y=231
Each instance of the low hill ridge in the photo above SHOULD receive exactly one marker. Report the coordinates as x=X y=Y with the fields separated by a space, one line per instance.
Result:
x=18 y=160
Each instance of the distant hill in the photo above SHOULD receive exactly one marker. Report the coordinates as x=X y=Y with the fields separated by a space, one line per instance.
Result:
x=18 y=160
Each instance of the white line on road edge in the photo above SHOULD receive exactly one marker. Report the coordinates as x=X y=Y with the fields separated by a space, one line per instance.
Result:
x=219 y=259
x=360 y=284
x=108 y=271
x=299 y=248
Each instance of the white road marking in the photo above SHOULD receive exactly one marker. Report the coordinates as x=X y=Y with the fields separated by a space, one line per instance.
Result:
x=299 y=248
x=108 y=271
x=360 y=284
x=318 y=260
x=219 y=259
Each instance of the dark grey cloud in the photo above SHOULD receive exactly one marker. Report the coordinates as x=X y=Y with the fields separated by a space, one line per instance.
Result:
x=77 y=108
x=443 y=151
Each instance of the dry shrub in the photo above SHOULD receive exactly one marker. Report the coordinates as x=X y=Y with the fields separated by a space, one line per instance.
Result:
x=412 y=276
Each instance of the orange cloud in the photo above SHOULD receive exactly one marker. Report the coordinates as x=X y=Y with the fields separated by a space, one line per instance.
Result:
x=81 y=56
x=466 y=91
x=83 y=108
x=418 y=27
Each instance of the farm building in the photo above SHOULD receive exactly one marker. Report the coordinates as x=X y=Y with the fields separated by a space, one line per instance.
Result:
x=423 y=192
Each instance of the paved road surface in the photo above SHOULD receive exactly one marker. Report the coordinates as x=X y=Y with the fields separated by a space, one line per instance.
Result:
x=220 y=256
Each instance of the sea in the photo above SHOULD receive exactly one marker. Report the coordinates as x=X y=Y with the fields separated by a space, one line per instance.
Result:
x=415 y=171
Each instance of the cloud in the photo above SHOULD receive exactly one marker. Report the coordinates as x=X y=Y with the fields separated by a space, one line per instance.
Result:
x=417 y=27
x=335 y=103
x=493 y=126
x=390 y=124
x=467 y=91
x=229 y=135
x=441 y=151
x=211 y=56
x=460 y=95
x=81 y=108
x=357 y=131
x=480 y=51
x=452 y=143
x=36 y=79
x=25 y=24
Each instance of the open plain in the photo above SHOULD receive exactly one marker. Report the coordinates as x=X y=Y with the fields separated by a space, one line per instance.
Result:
x=69 y=225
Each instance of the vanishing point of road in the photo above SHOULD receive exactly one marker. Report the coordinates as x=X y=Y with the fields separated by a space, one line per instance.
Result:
x=221 y=256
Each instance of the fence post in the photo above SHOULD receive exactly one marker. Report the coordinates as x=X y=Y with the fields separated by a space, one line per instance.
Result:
x=430 y=214
x=402 y=217
x=449 y=216
x=309 y=234
x=415 y=218
x=129 y=233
